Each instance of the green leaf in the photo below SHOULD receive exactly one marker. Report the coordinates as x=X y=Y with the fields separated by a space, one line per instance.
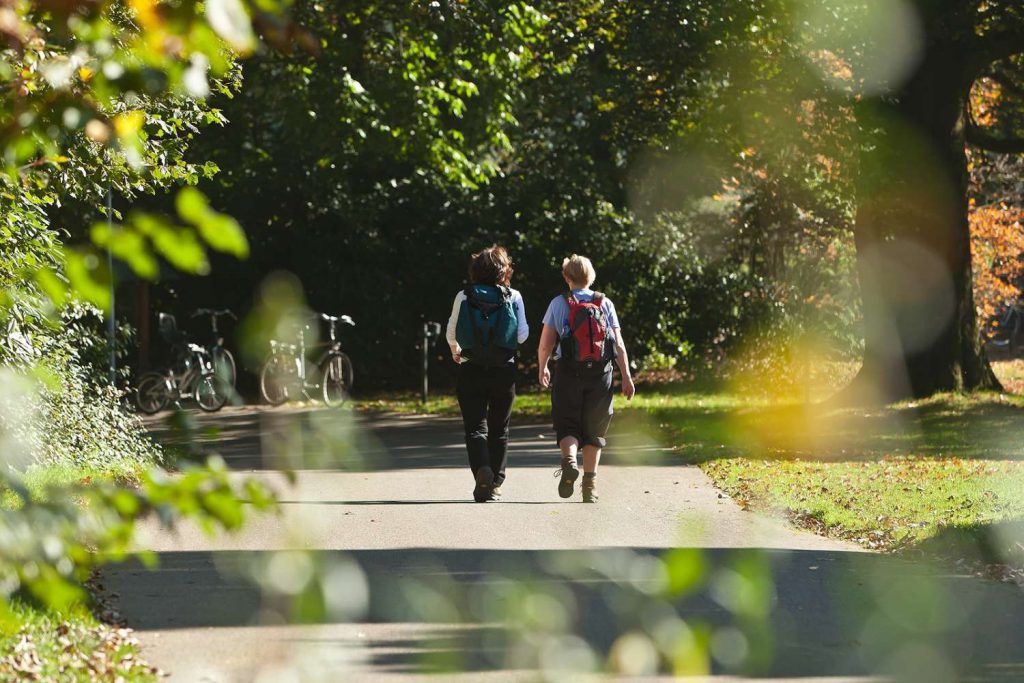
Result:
x=192 y=205
x=224 y=234
x=53 y=287
x=88 y=280
x=686 y=569
x=182 y=249
x=127 y=245
x=220 y=231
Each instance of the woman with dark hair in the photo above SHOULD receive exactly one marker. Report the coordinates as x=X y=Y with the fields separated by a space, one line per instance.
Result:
x=487 y=324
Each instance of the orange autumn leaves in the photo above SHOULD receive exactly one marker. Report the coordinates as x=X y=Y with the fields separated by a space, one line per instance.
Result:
x=997 y=246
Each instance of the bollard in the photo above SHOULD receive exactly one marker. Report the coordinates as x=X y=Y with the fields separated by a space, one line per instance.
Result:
x=431 y=330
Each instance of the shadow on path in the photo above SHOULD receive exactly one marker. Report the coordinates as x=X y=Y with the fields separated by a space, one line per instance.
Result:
x=831 y=613
x=259 y=438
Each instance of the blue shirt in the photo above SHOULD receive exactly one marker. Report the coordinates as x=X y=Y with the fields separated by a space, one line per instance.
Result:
x=557 y=315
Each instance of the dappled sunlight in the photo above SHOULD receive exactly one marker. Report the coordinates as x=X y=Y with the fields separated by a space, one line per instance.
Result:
x=568 y=614
x=1010 y=374
x=832 y=34
x=983 y=426
x=779 y=198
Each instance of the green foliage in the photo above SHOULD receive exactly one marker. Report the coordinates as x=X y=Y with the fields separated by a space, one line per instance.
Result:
x=103 y=99
x=608 y=136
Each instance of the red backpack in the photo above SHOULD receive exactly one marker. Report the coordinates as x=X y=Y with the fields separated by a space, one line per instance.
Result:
x=587 y=342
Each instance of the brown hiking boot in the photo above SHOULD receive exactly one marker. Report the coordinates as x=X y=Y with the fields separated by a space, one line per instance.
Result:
x=569 y=473
x=484 y=490
x=589 y=488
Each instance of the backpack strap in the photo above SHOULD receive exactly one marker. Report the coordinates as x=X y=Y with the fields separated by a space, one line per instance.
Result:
x=598 y=299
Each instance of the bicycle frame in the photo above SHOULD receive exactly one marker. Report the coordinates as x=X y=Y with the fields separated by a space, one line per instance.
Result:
x=299 y=351
x=185 y=383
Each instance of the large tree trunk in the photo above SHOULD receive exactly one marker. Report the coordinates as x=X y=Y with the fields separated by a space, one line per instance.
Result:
x=913 y=238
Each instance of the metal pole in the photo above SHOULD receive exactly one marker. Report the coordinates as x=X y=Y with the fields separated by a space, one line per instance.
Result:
x=430 y=330
x=111 y=323
x=426 y=359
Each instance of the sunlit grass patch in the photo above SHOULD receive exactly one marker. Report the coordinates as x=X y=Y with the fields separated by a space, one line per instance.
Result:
x=38 y=479
x=1011 y=374
x=887 y=478
x=889 y=503
x=44 y=646
x=537 y=402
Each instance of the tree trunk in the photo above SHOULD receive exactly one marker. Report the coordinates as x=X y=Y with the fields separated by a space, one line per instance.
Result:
x=913 y=238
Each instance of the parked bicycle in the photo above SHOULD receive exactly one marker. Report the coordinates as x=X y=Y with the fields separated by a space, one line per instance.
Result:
x=223 y=360
x=288 y=374
x=192 y=375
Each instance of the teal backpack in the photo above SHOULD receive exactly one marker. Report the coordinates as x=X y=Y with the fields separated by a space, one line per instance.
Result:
x=488 y=326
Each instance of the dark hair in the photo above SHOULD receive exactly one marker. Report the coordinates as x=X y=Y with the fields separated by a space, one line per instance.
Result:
x=491 y=266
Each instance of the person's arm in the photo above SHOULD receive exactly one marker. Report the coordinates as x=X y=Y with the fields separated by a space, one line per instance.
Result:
x=548 y=339
x=523 y=328
x=622 y=360
x=453 y=321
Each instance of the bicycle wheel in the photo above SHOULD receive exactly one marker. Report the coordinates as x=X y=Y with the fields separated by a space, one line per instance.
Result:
x=338 y=375
x=279 y=379
x=152 y=393
x=211 y=394
x=224 y=366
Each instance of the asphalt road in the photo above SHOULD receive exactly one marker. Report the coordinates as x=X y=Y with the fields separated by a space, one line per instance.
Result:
x=418 y=580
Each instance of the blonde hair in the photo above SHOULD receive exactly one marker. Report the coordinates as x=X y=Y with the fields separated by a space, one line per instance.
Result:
x=579 y=270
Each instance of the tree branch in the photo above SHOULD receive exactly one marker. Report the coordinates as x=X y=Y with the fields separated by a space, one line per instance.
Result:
x=979 y=137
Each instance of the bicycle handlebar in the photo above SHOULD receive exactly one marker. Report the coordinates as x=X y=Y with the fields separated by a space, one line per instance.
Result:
x=344 y=319
x=211 y=312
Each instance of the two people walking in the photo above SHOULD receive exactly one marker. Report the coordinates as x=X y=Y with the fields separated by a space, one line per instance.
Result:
x=581 y=333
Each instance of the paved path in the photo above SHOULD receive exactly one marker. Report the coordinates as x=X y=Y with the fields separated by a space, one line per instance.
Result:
x=413 y=571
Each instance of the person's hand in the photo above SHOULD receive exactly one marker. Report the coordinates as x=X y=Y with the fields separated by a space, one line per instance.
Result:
x=628 y=388
x=545 y=377
x=457 y=354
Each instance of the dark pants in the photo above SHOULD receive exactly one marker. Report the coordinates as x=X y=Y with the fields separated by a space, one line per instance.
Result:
x=581 y=405
x=485 y=398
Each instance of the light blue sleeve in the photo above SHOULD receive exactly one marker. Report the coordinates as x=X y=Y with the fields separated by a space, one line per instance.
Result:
x=556 y=314
x=613 y=317
x=523 y=328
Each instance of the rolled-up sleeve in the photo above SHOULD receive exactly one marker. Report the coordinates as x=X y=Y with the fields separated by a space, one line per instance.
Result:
x=453 y=319
x=613 y=316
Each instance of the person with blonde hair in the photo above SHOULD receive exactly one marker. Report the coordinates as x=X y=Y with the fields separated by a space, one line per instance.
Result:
x=487 y=324
x=584 y=327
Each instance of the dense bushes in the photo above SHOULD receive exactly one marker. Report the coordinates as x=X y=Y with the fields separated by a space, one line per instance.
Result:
x=59 y=408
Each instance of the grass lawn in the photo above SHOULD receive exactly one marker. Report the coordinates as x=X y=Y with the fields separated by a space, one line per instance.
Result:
x=38 y=479
x=42 y=646
x=943 y=476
